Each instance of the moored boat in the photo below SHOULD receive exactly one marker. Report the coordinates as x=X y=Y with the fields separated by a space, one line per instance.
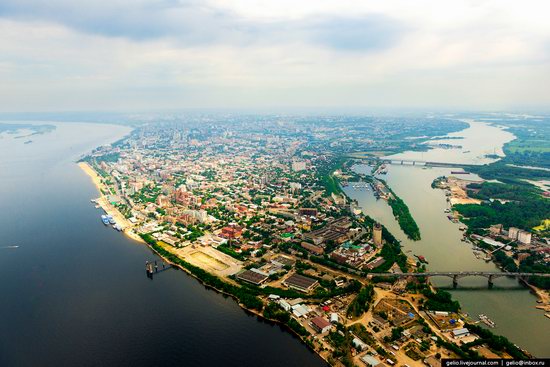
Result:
x=111 y=219
x=105 y=219
x=421 y=258
x=487 y=321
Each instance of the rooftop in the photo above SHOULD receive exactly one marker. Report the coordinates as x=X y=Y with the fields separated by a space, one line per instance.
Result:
x=370 y=360
x=300 y=282
x=252 y=277
x=461 y=331
x=320 y=322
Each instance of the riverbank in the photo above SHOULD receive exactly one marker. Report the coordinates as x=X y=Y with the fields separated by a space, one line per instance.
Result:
x=85 y=282
x=543 y=297
x=248 y=296
x=456 y=192
x=455 y=189
x=442 y=240
x=188 y=268
x=459 y=195
x=104 y=203
x=165 y=255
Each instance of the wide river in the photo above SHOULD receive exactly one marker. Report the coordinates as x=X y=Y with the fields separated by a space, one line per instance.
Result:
x=74 y=292
x=509 y=305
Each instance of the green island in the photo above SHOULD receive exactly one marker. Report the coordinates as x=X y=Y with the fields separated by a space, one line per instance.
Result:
x=399 y=208
x=404 y=218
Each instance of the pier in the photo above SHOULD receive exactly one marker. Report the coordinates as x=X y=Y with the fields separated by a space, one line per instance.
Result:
x=152 y=267
x=455 y=276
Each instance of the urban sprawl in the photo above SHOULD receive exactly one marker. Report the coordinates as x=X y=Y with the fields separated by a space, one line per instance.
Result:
x=256 y=210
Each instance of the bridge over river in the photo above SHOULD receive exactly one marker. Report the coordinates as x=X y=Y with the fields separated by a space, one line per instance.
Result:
x=411 y=162
x=455 y=275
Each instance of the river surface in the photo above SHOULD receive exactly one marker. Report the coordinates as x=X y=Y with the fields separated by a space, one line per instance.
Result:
x=476 y=142
x=74 y=292
x=509 y=305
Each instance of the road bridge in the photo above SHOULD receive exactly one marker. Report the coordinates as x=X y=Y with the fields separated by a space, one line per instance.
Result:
x=411 y=162
x=456 y=275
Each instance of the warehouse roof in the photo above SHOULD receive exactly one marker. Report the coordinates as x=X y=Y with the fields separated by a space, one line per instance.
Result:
x=320 y=322
x=252 y=277
x=300 y=282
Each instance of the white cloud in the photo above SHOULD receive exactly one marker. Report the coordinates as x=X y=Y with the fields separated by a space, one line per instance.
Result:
x=127 y=54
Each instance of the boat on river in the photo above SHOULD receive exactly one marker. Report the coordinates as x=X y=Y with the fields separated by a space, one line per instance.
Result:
x=487 y=321
x=111 y=219
x=104 y=219
x=422 y=259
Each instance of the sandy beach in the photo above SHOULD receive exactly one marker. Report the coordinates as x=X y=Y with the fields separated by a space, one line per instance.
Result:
x=457 y=187
x=543 y=298
x=104 y=203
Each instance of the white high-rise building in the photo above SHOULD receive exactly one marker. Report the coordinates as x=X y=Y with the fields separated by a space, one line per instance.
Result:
x=524 y=237
x=513 y=233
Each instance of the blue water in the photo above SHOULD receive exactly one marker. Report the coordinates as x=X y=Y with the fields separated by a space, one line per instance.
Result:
x=74 y=293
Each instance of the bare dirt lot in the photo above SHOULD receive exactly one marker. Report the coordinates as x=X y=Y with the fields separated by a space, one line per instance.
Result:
x=209 y=259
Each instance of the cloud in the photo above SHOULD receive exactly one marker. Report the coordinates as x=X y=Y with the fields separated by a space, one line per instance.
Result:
x=370 y=32
x=88 y=54
x=135 y=19
x=192 y=23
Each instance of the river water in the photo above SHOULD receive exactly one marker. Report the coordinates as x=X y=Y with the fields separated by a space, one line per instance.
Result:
x=509 y=305
x=74 y=293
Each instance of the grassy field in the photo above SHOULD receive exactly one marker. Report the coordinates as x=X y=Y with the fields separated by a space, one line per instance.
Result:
x=543 y=226
x=521 y=146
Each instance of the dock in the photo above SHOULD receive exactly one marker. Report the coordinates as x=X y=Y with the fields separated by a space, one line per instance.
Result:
x=152 y=267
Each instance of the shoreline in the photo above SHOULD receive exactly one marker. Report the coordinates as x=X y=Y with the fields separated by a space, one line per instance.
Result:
x=109 y=209
x=106 y=206
x=152 y=246
x=459 y=196
x=247 y=310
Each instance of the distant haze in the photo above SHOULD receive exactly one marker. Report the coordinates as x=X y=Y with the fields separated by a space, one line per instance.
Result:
x=68 y=55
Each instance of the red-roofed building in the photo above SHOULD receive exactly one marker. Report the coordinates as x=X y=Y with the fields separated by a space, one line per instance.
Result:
x=320 y=324
x=185 y=198
x=231 y=232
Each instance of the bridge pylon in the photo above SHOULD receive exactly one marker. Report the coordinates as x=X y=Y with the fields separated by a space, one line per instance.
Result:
x=455 y=280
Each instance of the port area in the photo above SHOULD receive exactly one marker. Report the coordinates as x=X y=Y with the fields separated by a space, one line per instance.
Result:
x=103 y=202
x=108 y=208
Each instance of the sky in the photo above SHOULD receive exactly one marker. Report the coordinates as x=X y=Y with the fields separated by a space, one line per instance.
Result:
x=124 y=55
